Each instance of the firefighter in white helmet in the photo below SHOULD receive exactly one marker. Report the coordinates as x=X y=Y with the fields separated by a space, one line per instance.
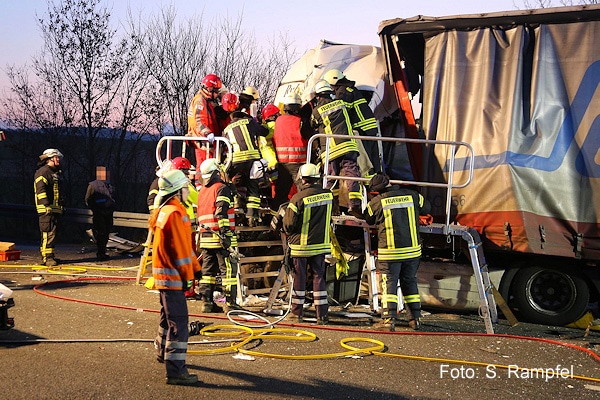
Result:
x=307 y=222
x=216 y=221
x=48 y=201
x=174 y=265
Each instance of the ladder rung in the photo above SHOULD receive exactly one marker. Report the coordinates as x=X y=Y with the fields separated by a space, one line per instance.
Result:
x=258 y=274
x=250 y=260
x=259 y=291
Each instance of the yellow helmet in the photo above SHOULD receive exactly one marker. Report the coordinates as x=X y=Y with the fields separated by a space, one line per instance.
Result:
x=292 y=98
x=333 y=76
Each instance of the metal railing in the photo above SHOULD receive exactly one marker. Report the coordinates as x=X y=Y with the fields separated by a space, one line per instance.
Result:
x=169 y=150
x=449 y=185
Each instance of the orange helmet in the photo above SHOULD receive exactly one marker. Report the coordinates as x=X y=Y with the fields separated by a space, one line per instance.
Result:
x=269 y=111
x=181 y=163
x=230 y=102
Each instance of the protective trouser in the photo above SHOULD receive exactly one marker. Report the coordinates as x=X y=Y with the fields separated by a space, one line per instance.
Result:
x=48 y=224
x=346 y=165
x=317 y=265
x=217 y=264
x=406 y=271
x=173 y=332
x=287 y=173
x=252 y=186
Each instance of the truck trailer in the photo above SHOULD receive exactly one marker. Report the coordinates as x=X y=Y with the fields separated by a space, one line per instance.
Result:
x=521 y=87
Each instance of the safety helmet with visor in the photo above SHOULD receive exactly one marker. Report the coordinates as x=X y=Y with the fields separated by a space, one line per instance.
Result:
x=208 y=168
x=333 y=76
x=170 y=183
x=309 y=171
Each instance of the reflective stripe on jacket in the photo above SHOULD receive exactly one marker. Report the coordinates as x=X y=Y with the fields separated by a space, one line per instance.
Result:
x=243 y=132
x=307 y=221
x=331 y=117
x=215 y=212
x=289 y=144
x=396 y=215
x=173 y=258
x=46 y=187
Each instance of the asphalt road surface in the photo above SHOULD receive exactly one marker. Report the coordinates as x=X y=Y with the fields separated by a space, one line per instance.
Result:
x=85 y=332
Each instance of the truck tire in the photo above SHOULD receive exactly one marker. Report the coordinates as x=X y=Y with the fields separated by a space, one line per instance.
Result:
x=549 y=296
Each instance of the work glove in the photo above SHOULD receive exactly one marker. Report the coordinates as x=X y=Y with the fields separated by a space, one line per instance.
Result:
x=210 y=137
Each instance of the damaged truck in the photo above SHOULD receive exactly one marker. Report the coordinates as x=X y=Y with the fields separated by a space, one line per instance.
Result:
x=522 y=88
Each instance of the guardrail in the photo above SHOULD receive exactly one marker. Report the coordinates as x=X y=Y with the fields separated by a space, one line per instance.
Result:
x=79 y=215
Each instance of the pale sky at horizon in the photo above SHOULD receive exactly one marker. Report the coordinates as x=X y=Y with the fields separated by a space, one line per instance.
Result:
x=304 y=23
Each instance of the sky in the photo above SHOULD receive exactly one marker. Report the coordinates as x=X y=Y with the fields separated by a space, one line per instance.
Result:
x=304 y=22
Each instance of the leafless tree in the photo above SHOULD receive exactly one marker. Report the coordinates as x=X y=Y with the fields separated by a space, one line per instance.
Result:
x=550 y=3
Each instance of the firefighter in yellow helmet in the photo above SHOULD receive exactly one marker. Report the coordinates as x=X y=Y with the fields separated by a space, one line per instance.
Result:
x=307 y=223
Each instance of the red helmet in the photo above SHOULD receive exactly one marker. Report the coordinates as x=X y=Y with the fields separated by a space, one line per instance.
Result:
x=211 y=85
x=230 y=102
x=269 y=111
x=181 y=163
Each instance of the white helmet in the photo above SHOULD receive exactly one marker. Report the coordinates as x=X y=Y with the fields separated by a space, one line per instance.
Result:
x=333 y=76
x=292 y=98
x=49 y=153
x=309 y=171
x=322 y=86
x=251 y=91
x=209 y=166
x=171 y=182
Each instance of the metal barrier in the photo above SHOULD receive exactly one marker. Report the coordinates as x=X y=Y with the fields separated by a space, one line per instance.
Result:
x=169 y=150
x=449 y=185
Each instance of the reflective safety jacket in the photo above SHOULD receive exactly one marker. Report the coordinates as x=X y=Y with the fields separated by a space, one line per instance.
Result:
x=396 y=215
x=331 y=117
x=216 y=212
x=202 y=117
x=173 y=258
x=152 y=192
x=243 y=132
x=307 y=221
x=361 y=115
x=46 y=186
x=265 y=145
x=289 y=144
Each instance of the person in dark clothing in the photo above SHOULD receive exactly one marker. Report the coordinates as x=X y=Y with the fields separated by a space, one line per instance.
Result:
x=100 y=198
x=48 y=202
x=395 y=211
x=307 y=222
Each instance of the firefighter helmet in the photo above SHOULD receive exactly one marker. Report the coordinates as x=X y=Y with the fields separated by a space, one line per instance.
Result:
x=251 y=91
x=268 y=111
x=181 y=163
x=49 y=153
x=333 y=76
x=323 y=87
x=171 y=182
x=309 y=171
x=230 y=102
x=211 y=84
x=208 y=167
x=292 y=98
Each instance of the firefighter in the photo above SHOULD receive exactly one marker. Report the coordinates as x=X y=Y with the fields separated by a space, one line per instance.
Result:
x=395 y=211
x=290 y=147
x=249 y=101
x=361 y=115
x=174 y=264
x=243 y=132
x=269 y=115
x=183 y=164
x=48 y=202
x=100 y=198
x=216 y=220
x=202 y=115
x=330 y=116
x=307 y=222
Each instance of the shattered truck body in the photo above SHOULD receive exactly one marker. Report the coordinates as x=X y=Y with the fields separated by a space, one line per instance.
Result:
x=522 y=88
